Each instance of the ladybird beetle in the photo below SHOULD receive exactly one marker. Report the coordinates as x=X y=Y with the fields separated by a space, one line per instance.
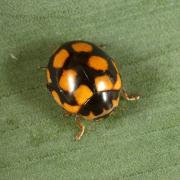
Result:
x=84 y=81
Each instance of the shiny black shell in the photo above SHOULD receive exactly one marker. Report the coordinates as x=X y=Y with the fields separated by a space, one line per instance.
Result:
x=84 y=80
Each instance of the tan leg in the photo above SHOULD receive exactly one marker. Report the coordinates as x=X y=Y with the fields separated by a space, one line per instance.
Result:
x=81 y=127
x=127 y=97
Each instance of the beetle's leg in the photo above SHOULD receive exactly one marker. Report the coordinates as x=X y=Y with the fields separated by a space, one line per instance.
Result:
x=81 y=127
x=127 y=97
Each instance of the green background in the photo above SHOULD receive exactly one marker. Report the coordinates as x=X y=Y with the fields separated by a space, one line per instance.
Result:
x=141 y=140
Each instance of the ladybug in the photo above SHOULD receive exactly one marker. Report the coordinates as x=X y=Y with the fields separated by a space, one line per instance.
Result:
x=84 y=81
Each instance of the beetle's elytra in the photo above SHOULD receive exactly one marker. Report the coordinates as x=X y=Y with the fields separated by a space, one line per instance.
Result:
x=84 y=80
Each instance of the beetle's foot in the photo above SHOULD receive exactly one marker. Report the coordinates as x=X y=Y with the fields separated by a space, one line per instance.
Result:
x=129 y=98
x=81 y=127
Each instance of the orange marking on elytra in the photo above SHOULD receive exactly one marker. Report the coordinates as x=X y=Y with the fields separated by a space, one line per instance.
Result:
x=68 y=80
x=117 y=84
x=115 y=102
x=71 y=108
x=82 y=94
x=48 y=76
x=103 y=83
x=98 y=63
x=56 y=97
x=60 y=58
x=90 y=116
x=82 y=47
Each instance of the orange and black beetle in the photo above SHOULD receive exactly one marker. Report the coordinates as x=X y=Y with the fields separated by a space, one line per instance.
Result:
x=84 y=81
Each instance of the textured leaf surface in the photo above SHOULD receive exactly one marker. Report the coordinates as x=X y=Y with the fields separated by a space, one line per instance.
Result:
x=141 y=140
